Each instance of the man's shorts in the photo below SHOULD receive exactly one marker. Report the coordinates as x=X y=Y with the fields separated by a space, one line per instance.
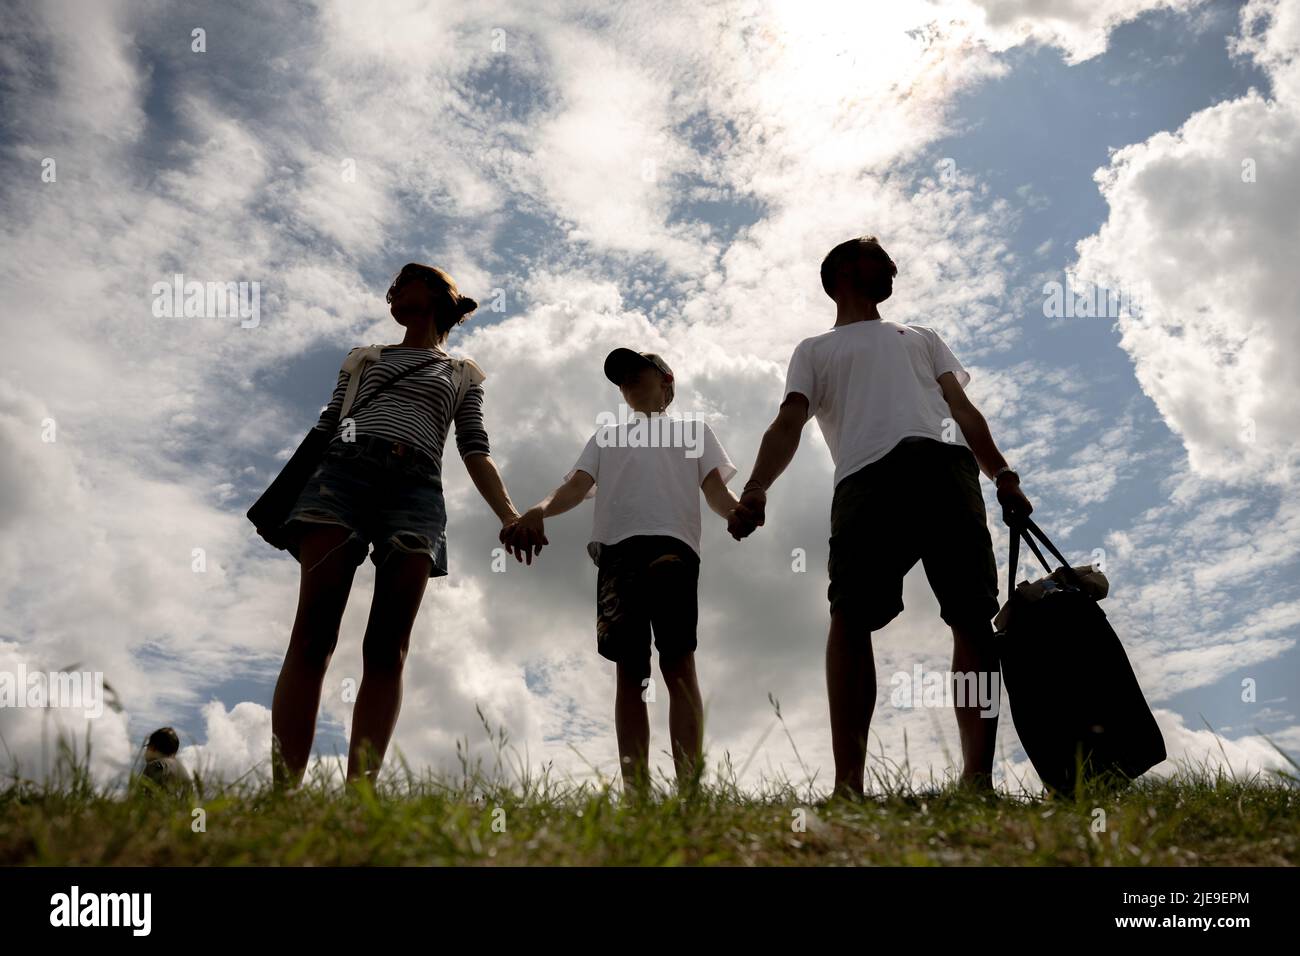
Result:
x=645 y=582
x=386 y=493
x=922 y=501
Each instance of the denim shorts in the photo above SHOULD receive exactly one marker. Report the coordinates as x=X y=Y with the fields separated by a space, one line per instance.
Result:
x=386 y=493
x=922 y=501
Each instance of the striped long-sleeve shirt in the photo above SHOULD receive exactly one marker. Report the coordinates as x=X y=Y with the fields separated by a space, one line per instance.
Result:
x=416 y=409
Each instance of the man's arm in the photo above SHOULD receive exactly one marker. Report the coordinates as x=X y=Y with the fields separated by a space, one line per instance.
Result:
x=976 y=431
x=973 y=425
x=780 y=442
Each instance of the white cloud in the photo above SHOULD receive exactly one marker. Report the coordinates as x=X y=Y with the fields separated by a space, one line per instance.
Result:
x=1214 y=247
x=1080 y=28
x=236 y=741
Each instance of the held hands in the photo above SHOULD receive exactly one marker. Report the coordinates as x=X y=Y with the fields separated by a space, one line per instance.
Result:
x=749 y=513
x=525 y=536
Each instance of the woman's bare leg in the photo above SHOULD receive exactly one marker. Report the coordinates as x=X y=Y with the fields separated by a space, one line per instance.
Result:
x=399 y=587
x=327 y=572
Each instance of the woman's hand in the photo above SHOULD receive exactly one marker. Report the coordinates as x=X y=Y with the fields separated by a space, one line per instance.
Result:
x=526 y=535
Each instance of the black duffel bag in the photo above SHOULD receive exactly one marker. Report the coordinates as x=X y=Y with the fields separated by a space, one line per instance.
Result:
x=1074 y=699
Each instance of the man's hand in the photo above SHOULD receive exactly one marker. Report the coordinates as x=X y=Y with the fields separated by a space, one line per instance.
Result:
x=525 y=536
x=775 y=452
x=1015 y=506
x=749 y=514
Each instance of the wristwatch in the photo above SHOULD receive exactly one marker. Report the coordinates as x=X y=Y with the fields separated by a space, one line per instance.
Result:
x=1005 y=470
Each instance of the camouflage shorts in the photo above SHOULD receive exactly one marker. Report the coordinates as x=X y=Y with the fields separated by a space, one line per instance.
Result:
x=646 y=582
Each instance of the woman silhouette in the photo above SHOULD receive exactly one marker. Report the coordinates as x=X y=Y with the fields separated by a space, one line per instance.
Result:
x=380 y=482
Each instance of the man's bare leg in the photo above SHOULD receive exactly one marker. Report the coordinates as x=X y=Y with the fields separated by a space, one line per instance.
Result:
x=973 y=652
x=851 y=689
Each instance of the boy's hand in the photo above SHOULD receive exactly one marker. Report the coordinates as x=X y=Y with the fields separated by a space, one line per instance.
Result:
x=517 y=543
x=526 y=535
x=738 y=527
x=749 y=514
x=532 y=523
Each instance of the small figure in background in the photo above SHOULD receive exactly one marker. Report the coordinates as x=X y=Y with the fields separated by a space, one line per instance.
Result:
x=161 y=766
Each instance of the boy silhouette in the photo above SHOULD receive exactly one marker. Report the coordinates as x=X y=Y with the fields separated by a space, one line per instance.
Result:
x=906 y=488
x=161 y=765
x=647 y=473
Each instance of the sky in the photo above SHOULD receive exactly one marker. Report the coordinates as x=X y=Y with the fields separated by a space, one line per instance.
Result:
x=666 y=177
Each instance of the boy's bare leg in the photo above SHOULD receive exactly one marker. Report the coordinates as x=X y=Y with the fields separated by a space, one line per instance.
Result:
x=851 y=689
x=685 y=716
x=632 y=726
x=973 y=651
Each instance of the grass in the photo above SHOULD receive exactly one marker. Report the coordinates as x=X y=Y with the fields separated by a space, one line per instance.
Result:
x=509 y=815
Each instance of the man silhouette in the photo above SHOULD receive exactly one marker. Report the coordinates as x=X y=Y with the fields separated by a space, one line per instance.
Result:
x=906 y=488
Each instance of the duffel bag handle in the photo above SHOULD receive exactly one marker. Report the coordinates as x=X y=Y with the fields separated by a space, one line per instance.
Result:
x=1025 y=526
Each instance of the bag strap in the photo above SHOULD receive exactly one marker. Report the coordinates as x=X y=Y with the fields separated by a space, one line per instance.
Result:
x=465 y=374
x=1026 y=527
x=354 y=370
x=459 y=382
x=347 y=407
x=1069 y=571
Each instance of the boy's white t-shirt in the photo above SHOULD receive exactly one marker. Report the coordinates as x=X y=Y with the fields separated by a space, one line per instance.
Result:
x=873 y=383
x=643 y=489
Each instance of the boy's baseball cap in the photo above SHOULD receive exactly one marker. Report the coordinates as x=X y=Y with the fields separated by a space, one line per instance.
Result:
x=621 y=361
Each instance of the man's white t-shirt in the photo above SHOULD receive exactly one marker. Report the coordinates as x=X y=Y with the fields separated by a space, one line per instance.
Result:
x=873 y=383
x=645 y=488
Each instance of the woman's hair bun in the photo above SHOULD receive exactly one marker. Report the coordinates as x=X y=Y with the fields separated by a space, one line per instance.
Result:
x=467 y=305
